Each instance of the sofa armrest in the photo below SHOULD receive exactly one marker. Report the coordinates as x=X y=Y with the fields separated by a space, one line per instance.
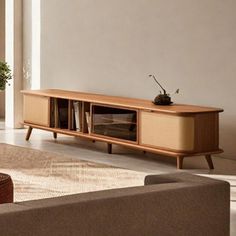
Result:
x=182 y=178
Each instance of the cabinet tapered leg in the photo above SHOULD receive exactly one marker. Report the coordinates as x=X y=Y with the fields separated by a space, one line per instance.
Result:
x=180 y=162
x=28 y=133
x=209 y=161
x=54 y=135
x=109 y=148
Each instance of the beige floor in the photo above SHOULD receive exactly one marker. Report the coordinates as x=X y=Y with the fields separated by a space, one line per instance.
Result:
x=122 y=157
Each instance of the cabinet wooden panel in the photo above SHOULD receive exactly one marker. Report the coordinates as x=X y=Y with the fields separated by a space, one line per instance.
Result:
x=37 y=110
x=167 y=131
x=206 y=132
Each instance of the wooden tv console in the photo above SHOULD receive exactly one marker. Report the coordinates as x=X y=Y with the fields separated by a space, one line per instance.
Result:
x=177 y=130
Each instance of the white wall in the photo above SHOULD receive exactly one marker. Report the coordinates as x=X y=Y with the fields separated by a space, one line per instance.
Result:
x=2 y=29
x=110 y=46
x=2 y=52
x=31 y=44
x=27 y=44
x=14 y=55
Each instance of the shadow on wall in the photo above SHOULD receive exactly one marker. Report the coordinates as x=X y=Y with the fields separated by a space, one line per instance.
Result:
x=227 y=139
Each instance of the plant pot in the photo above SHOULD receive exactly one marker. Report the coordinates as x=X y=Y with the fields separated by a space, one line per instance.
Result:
x=162 y=99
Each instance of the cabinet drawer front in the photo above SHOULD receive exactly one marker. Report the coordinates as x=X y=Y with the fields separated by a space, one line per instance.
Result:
x=36 y=110
x=167 y=131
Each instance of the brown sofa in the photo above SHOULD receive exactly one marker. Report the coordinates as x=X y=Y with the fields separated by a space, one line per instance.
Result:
x=172 y=204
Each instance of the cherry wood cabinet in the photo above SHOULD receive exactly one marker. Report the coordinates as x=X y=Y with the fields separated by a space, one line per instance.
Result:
x=177 y=130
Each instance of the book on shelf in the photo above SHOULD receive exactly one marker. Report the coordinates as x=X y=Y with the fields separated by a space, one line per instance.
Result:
x=77 y=115
x=87 y=115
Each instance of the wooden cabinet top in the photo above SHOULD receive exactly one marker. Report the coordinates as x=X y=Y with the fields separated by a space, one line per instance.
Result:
x=122 y=101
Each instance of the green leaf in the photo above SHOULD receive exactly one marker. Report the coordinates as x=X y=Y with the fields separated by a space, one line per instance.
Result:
x=5 y=75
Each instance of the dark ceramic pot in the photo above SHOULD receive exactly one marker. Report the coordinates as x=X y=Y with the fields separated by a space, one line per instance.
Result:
x=162 y=99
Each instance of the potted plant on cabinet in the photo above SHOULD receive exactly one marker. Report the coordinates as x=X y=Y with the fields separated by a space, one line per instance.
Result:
x=5 y=75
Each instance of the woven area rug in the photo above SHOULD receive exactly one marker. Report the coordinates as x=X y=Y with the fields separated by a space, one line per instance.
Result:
x=38 y=174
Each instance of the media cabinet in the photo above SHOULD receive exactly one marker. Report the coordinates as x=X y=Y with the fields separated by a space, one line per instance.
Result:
x=177 y=130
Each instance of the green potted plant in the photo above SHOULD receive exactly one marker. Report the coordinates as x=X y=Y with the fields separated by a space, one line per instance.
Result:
x=5 y=75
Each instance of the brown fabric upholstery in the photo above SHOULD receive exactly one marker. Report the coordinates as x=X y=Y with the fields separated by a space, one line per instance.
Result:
x=186 y=205
x=6 y=189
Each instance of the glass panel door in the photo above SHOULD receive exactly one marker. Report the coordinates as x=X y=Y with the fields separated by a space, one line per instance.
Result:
x=114 y=122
